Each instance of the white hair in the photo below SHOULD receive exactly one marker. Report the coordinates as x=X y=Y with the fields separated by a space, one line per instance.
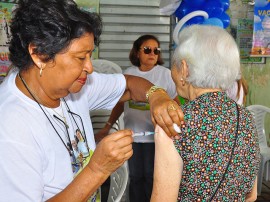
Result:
x=211 y=54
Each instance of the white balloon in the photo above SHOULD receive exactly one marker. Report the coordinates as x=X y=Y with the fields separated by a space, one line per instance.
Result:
x=184 y=20
x=168 y=7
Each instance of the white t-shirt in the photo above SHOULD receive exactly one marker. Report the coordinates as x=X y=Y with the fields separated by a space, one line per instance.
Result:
x=137 y=115
x=34 y=163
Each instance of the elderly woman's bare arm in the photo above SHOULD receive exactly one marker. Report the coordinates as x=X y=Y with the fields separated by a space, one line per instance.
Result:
x=252 y=196
x=167 y=170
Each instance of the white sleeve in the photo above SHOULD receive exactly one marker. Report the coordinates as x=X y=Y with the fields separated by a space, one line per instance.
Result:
x=104 y=90
x=171 y=88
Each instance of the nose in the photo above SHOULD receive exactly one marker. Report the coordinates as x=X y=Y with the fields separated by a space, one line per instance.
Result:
x=88 y=66
x=152 y=52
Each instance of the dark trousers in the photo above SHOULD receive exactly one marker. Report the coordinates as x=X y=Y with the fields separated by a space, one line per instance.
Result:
x=105 y=189
x=141 y=170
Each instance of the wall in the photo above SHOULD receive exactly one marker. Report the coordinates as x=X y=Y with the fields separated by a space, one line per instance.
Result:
x=257 y=75
x=124 y=21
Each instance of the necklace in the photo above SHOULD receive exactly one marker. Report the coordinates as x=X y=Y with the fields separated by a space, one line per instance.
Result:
x=36 y=98
x=61 y=114
x=68 y=146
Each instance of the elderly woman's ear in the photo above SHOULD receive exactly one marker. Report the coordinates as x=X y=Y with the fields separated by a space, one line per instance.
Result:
x=184 y=69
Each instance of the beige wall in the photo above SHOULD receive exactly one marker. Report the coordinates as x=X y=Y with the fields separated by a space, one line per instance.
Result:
x=258 y=78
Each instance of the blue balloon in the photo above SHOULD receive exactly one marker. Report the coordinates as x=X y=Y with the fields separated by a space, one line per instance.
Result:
x=226 y=4
x=261 y=3
x=195 y=20
x=195 y=3
x=183 y=10
x=214 y=8
x=214 y=22
x=225 y=18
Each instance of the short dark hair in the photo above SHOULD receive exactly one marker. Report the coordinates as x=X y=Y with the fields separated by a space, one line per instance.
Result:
x=50 y=25
x=136 y=48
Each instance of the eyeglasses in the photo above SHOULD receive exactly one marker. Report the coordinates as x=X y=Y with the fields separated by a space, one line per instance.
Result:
x=78 y=148
x=148 y=50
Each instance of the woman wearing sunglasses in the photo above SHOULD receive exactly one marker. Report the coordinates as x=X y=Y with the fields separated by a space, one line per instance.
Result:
x=145 y=56
x=47 y=146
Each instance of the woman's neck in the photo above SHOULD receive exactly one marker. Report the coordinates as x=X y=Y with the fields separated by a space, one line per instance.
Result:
x=197 y=92
x=145 y=68
x=34 y=91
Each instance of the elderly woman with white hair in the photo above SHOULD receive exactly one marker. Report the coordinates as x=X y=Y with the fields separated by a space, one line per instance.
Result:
x=217 y=152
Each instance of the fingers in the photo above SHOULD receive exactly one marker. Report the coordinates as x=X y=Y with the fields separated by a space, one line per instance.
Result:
x=120 y=155
x=166 y=116
x=124 y=144
x=175 y=113
x=159 y=121
x=128 y=154
x=120 y=134
x=165 y=113
x=112 y=151
x=120 y=141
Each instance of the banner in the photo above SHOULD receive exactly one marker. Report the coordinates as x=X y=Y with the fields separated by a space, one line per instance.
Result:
x=261 y=29
x=244 y=41
x=5 y=18
x=90 y=6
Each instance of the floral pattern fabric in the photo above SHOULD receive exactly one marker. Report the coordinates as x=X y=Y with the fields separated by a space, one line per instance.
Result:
x=205 y=145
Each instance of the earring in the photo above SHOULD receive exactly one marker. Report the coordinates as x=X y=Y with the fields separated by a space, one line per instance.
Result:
x=41 y=69
x=182 y=81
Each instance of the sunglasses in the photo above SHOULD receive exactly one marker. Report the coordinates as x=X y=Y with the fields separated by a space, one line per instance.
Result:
x=148 y=50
